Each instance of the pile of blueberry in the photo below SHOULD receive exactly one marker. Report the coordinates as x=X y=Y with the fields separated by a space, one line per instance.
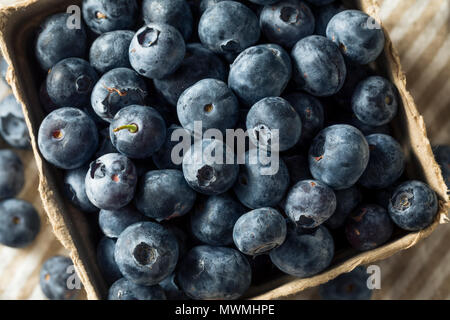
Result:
x=297 y=75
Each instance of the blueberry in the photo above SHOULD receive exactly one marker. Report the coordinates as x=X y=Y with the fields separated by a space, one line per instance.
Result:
x=137 y=131
x=111 y=181
x=199 y=63
x=113 y=222
x=12 y=176
x=163 y=157
x=172 y=289
x=323 y=15
x=211 y=102
x=108 y=15
x=358 y=36
x=67 y=138
x=214 y=217
x=164 y=194
x=442 y=155
x=47 y=103
x=259 y=231
x=13 y=128
x=19 y=223
x=375 y=101
x=413 y=206
x=57 y=41
x=105 y=260
x=260 y=71
x=208 y=273
x=368 y=227
x=386 y=162
x=146 y=253
x=176 y=13
x=311 y=114
x=70 y=82
x=298 y=168
x=310 y=203
x=228 y=28
x=157 y=50
x=205 y=4
x=117 y=89
x=347 y=286
x=256 y=189
x=55 y=275
x=319 y=67
x=305 y=252
x=346 y=201
x=338 y=156
x=286 y=22
x=110 y=51
x=207 y=167
x=75 y=189
x=124 y=289
x=269 y=114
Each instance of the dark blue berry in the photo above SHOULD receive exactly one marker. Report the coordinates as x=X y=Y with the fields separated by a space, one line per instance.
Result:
x=75 y=189
x=124 y=289
x=113 y=222
x=12 y=176
x=13 y=128
x=347 y=286
x=346 y=201
x=106 y=262
x=55 y=275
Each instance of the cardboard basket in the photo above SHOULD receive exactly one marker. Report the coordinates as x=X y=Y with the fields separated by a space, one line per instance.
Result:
x=18 y=26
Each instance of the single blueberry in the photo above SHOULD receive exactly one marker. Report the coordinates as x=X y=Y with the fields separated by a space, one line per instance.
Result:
x=56 y=40
x=319 y=67
x=12 y=176
x=117 y=89
x=261 y=185
x=311 y=114
x=259 y=72
x=113 y=222
x=214 y=217
x=137 y=131
x=13 y=128
x=259 y=231
x=157 y=50
x=305 y=252
x=176 y=13
x=228 y=28
x=105 y=260
x=19 y=223
x=109 y=15
x=287 y=21
x=70 y=82
x=199 y=63
x=209 y=167
x=413 y=205
x=359 y=37
x=111 y=181
x=347 y=286
x=146 y=253
x=375 y=101
x=164 y=194
x=54 y=276
x=110 y=51
x=75 y=189
x=386 y=162
x=310 y=203
x=124 y=289
x=338 y=156
x=211 y=102
x=346 y=201
x=67 y=138
x=272 y=119
x=368 y=227
x=208 y=273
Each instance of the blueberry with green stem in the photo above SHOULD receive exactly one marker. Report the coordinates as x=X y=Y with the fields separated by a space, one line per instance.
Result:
x=137 y=131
